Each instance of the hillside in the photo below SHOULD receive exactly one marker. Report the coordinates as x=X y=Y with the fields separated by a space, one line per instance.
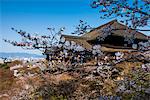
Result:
x=19 y=55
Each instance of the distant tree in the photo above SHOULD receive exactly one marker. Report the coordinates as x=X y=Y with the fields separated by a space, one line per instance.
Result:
x=4 y=59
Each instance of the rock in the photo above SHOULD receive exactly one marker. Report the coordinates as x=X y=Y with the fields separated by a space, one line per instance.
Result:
x=16 y=73
x=4 y=95
x=16 y=67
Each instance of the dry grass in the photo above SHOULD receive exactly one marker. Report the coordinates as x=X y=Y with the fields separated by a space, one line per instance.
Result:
x=16 y=62
x=6 y=79
x=66 y=82
x=127 y=66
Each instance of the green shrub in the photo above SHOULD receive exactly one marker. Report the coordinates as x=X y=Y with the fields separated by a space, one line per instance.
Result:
x=5 y=66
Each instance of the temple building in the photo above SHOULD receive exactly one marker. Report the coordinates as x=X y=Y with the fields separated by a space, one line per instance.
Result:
x=111 y=36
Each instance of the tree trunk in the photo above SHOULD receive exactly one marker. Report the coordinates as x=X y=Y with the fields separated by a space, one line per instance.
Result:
x=47 y=57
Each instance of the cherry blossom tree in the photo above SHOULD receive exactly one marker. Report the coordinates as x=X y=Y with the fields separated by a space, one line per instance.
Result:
x=43 y=43
x=82 y=28
x=134 y=13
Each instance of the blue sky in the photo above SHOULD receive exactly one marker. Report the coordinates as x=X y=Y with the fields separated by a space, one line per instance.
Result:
x=35 y=16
